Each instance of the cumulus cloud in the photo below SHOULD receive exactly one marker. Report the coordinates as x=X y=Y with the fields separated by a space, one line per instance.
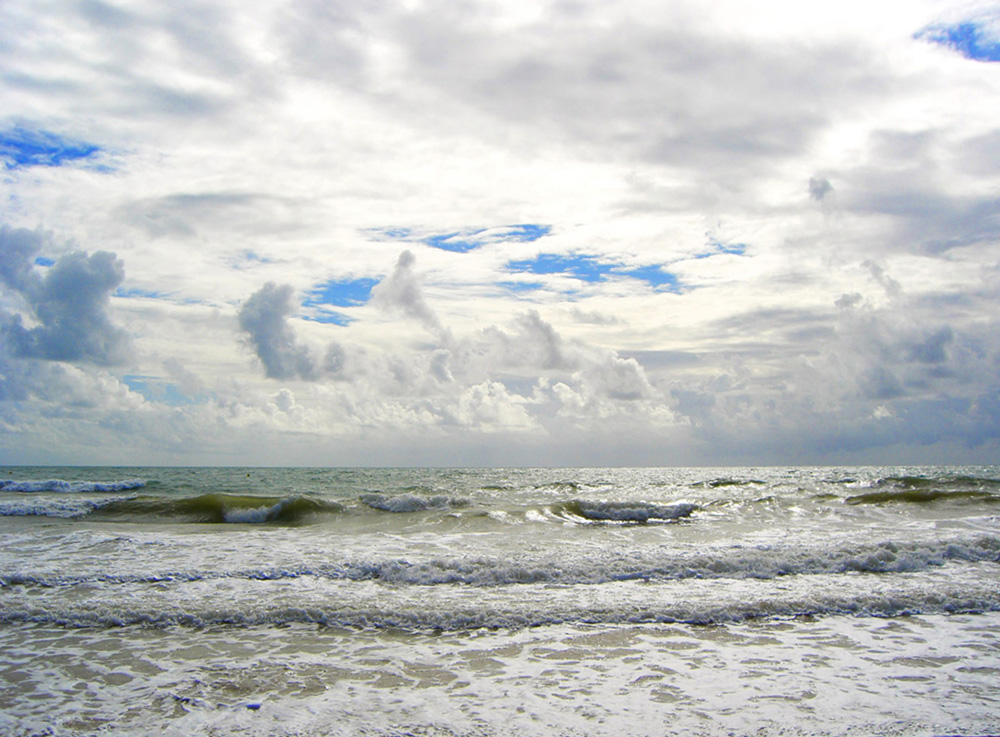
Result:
x=400 y=292
x=491 y=407
x=494 y=380
x=264 y=319
x=619 y=378
x=67 y=306
x=18 y=246
x=534 y=343
x=186 y=379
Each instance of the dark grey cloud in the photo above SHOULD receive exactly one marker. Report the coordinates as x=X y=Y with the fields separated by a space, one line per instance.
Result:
x=930 y=348
x=264 y=319
x=928 y=220
x=182 y=213
x=17 y=251
x=880 y=383
x=696 y=405
x=907 y=185
x=664 y=92
x=878 y=273
x=324 y=37
x=140 y=60
x=68 y=304
x=978 y=155
x=819 y=187
x=847 y=301
x=772 y=327
x=400 y=292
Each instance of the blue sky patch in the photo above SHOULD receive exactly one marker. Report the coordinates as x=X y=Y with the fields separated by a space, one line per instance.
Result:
x=162 y=392
x=718 y=247
x=136 y=293
x=655 y=276
x=330 y=317
x=391 y=233
x=584 y=268
x=525 y=233
x=21 y=147
x=970 y=39
x=591 y=269
x=455 y=242
x=254 y=257
x=468 y=240
x=341 y=293
x=44 y=261
x=520 y=286
x=337 y=293
x=463 y=241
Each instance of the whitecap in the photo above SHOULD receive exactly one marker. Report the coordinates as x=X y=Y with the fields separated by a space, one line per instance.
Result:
x=408 y=502
x=69 y=487
x=613 y=511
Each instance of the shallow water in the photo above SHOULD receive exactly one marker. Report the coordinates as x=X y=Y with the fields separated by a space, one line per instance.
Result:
x=500 y=602
x=913 y=675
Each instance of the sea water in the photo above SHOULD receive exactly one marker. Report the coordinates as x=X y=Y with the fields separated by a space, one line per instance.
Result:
x=757 y=601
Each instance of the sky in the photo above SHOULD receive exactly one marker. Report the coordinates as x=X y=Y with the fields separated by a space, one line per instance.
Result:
x=499 y=233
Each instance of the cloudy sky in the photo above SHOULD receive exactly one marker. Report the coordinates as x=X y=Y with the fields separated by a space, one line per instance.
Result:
x=488 y=232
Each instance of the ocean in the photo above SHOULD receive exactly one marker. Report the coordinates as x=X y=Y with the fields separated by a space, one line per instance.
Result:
x=499 y=602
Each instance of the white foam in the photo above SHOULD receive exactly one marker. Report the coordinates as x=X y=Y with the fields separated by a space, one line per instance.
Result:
x=340 y=603
x=406 y=502
x=48 y=507
x=255 y=515
x=69 y=487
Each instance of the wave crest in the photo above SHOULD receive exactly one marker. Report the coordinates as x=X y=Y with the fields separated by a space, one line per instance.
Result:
x=402 y=503
x=69 y=487
x=638 y=512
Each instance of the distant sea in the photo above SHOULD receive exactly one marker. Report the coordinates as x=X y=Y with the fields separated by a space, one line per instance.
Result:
x=311 y=601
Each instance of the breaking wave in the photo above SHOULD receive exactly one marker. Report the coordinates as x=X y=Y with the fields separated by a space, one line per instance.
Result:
x=739 y=563
x=70 y=487
x=923 y=495
x=410 y=502
x=623 y=511
x=62 y=508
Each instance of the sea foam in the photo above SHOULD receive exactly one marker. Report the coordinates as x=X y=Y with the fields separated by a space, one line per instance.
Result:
x=48 y=507
x=409 y=502
x=69 y=487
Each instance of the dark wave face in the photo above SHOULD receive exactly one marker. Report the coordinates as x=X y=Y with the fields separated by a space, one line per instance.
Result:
x=614 y=511
x=922 y=496
x=219 y=508
x=928 y=489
